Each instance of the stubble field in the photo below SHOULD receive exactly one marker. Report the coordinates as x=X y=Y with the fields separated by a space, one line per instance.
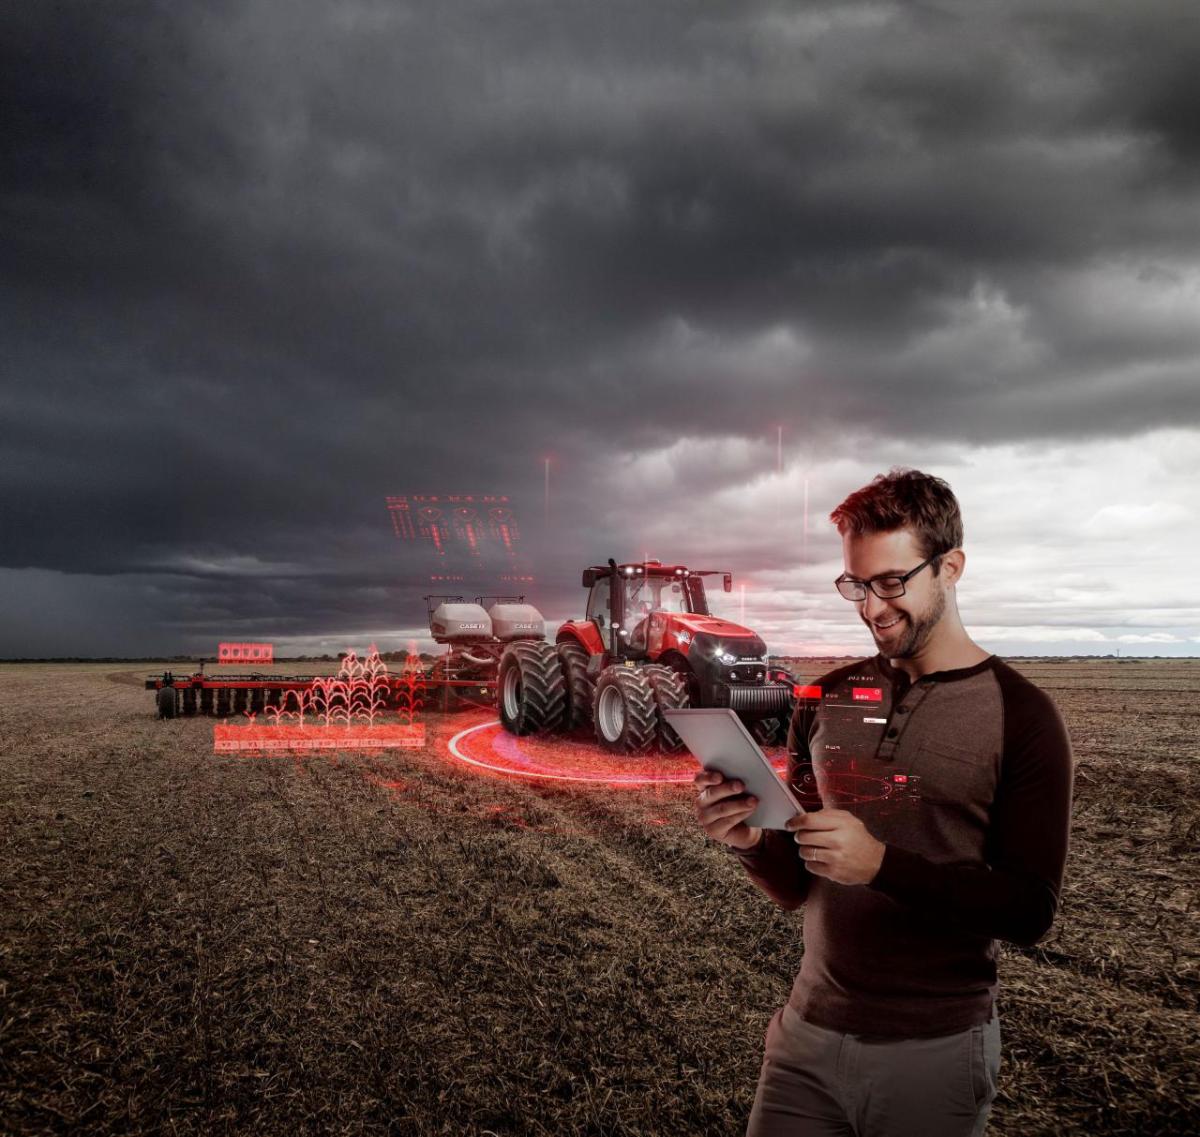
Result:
x=401 y=943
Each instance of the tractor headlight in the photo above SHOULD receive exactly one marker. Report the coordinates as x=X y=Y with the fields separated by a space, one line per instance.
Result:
x=728 y=658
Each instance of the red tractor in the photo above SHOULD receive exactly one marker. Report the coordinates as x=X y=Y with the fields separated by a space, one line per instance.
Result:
x=648 y=642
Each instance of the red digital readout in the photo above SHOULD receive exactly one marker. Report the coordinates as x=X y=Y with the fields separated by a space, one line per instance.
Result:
x=811 y=691
x=900 y=778
x=466 y=520
x=245 y=653
x=866 y=694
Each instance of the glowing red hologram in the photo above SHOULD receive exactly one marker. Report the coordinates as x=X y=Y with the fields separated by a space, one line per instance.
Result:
x=866 y=694
x=402 y=522
x=245 y=653
x=340 y=712
x=411 y=694
x=503 y=527
x=444 y=519
x=465 y=524
x=490 y=749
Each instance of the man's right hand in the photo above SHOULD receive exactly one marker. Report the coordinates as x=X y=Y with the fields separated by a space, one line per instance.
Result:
x=722 y=809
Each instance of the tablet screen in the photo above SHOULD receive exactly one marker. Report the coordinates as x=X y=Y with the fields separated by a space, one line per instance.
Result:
x=719 y=740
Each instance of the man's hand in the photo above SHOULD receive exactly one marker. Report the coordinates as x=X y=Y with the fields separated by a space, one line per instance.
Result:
x=722 y=809
x=836 y=845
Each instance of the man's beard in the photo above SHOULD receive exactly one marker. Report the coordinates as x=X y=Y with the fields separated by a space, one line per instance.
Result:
x=919 y=631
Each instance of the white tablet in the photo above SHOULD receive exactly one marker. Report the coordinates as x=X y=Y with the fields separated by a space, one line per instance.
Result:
x=719 y=741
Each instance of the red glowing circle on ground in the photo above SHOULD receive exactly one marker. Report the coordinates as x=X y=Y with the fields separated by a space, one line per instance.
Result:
x=489 y=747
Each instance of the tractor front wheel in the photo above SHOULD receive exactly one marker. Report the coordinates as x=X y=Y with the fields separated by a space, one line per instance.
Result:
x=670 y=693
x=623 y=710
x=531 y=689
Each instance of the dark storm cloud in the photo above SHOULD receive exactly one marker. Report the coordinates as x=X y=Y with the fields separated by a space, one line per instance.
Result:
x=265 y=263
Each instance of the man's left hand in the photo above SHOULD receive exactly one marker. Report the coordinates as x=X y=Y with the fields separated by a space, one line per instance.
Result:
x=835 y=844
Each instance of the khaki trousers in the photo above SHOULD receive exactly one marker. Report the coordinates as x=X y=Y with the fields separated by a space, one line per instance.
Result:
x=816 y=1082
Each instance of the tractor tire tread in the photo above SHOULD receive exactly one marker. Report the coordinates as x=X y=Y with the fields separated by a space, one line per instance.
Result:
x=641 y=719
x=543 y=688
x=580 y=688
x=670 y=693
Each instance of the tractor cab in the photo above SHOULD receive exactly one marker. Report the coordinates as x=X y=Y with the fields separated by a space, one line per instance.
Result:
x=627 y=604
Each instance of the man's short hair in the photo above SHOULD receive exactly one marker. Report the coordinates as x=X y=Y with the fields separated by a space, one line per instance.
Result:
x=905 y=499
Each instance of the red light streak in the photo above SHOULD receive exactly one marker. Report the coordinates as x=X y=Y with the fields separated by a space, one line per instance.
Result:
x=484 y=746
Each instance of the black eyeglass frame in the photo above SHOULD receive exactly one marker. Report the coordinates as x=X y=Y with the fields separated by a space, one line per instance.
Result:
x=903 y=580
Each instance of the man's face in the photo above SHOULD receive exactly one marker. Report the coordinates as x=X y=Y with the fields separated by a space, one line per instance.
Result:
x=902 y=625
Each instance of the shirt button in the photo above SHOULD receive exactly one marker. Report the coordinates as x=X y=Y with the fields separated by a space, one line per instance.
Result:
x=892 y=732
x=901 y=710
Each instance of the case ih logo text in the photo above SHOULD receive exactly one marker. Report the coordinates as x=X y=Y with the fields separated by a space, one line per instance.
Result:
x=245 y=653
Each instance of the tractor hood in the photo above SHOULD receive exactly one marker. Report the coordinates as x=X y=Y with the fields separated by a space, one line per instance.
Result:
x=711 y=626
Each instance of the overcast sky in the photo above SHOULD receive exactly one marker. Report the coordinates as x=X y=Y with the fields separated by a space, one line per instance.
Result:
x=265 y=263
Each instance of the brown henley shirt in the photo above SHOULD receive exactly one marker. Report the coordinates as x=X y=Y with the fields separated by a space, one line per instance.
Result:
x=966 y=776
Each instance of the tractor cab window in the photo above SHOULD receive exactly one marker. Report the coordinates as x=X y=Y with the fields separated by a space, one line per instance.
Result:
x=697 y=601
x=671 y=597
x=646 y=594
x=598 y=607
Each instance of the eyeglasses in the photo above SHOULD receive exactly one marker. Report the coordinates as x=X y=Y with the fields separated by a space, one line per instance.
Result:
x=885 y=587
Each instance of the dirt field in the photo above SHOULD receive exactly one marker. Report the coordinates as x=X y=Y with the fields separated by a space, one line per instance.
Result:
x=404 y=944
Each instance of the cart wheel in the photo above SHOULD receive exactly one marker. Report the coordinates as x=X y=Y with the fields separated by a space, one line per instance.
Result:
x=166 y=702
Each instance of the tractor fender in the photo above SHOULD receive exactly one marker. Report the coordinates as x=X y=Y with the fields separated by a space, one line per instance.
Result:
x=576 y=632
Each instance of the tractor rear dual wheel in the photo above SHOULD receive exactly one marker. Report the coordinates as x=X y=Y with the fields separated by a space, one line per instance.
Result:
x=580 y=687
x=531 y=689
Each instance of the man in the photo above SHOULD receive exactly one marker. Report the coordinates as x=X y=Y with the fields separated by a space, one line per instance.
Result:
x=938 y=826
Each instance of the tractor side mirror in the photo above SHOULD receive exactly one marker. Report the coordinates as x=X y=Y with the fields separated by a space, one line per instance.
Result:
x=589 y=578
x=729 y=582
